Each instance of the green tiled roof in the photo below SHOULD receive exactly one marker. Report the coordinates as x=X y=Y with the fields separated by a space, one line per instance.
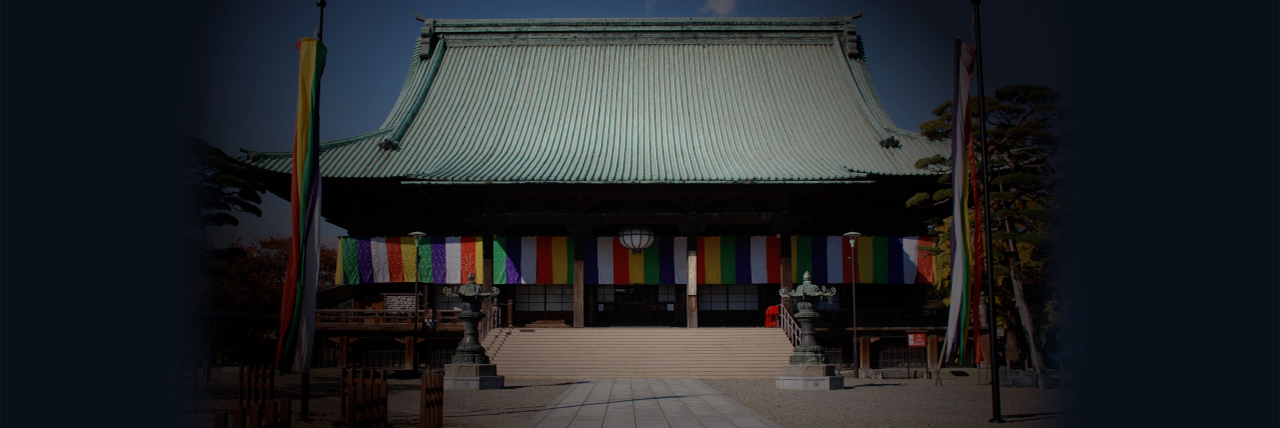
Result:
x=630 y=100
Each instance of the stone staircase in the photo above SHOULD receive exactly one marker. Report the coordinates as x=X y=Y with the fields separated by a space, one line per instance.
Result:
x=698 y=353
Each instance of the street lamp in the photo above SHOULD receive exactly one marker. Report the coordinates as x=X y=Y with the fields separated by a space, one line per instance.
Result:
x=417 y=294
x=853 y=301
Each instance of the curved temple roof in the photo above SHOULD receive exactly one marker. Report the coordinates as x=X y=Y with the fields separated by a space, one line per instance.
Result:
x=629 y=100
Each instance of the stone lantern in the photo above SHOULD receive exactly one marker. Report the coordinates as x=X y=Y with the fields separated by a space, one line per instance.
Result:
x=808 y=368
x=470 y=368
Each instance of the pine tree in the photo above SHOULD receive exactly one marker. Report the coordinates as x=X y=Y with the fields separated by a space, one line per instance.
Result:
x=1021 y=147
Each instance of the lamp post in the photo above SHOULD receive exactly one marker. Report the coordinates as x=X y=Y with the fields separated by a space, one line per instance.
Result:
x=853 y=301
x=417 y=297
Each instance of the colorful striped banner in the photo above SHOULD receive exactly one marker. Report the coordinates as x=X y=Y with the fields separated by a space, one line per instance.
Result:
x=436 y=260
x=739 y=259
x=533 y=260
x=878 y=260
x=301 y=281
x=606 y=261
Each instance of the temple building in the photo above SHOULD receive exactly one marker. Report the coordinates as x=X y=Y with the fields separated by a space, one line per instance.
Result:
x=634 y=172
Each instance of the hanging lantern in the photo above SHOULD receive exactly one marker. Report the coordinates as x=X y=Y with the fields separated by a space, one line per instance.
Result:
x=636 y=238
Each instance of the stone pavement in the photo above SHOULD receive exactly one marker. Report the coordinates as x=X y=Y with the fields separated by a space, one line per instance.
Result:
x=653 y=402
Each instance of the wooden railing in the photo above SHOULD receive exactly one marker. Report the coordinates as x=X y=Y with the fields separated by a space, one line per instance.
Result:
x=891 y=317
x=789 y=325
x=444 y=320
x=447 y=320
x=375 y=316
x=492 y=318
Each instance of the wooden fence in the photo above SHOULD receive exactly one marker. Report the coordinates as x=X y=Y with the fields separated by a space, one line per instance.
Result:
x=257 y=385
x=431 y=414
x=366 y=405
x=271 y=414
x=356 y=376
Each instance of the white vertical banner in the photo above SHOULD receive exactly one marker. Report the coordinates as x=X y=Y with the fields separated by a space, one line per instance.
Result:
x=759 y=260
x=453 y=260
x=910 y=257
x=378 y=253
x=604 y=259
x=529 y=260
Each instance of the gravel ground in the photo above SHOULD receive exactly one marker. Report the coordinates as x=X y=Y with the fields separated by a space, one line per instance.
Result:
x=863 y=402
x=900 y=403
x=510 y=406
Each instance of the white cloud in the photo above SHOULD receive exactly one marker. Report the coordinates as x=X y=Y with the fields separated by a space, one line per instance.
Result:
x=720 y=7
x=648 y=5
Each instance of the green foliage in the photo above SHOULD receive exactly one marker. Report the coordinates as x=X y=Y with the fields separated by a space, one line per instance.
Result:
x=1004 y=235
x=1002 y=196
x=1017 y=179
x=220 y=184
x=918 y=199
x=935 y=160
x=1005 y=213
x=942 y=195
x=1001 y=270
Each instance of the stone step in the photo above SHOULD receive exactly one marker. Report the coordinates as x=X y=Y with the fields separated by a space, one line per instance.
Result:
x=706 y=353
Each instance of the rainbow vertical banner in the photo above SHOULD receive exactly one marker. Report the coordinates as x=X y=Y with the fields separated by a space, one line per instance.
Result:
x=298 y=302
x=961 y=260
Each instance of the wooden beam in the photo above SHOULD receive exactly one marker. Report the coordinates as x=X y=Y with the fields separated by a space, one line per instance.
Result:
x=578 y=291
x=864 y=353
x=692 y=284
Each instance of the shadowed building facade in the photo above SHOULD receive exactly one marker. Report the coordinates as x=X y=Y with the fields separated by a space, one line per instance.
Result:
x=745 y=146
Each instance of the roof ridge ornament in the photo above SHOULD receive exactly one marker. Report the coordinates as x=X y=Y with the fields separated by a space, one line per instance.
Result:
x=851 y=39
x=427 y=41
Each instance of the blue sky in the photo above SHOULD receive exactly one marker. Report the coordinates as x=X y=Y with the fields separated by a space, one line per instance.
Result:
x=245 y=87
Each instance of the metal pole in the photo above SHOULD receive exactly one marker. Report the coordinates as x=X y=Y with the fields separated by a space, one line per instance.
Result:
x=320 y=30
x=986 y=218
x=853 y=300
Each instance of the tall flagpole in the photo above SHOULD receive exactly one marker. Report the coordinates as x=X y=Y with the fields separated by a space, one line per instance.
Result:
x=305 y=406
x=986 y=220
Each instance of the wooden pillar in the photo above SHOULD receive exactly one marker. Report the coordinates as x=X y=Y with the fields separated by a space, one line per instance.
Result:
x=578 y=286
x=408 y=352
x=692 y=284
x=487 y=281
x=342 y=351
x=785 y=270
x=864 y=352
x=931 y=350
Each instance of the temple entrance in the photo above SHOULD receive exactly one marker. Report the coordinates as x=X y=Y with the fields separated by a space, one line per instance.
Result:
x=637 y=305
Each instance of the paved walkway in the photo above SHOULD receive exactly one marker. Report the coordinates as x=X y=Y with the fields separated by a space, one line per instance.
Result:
x=674 y=403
